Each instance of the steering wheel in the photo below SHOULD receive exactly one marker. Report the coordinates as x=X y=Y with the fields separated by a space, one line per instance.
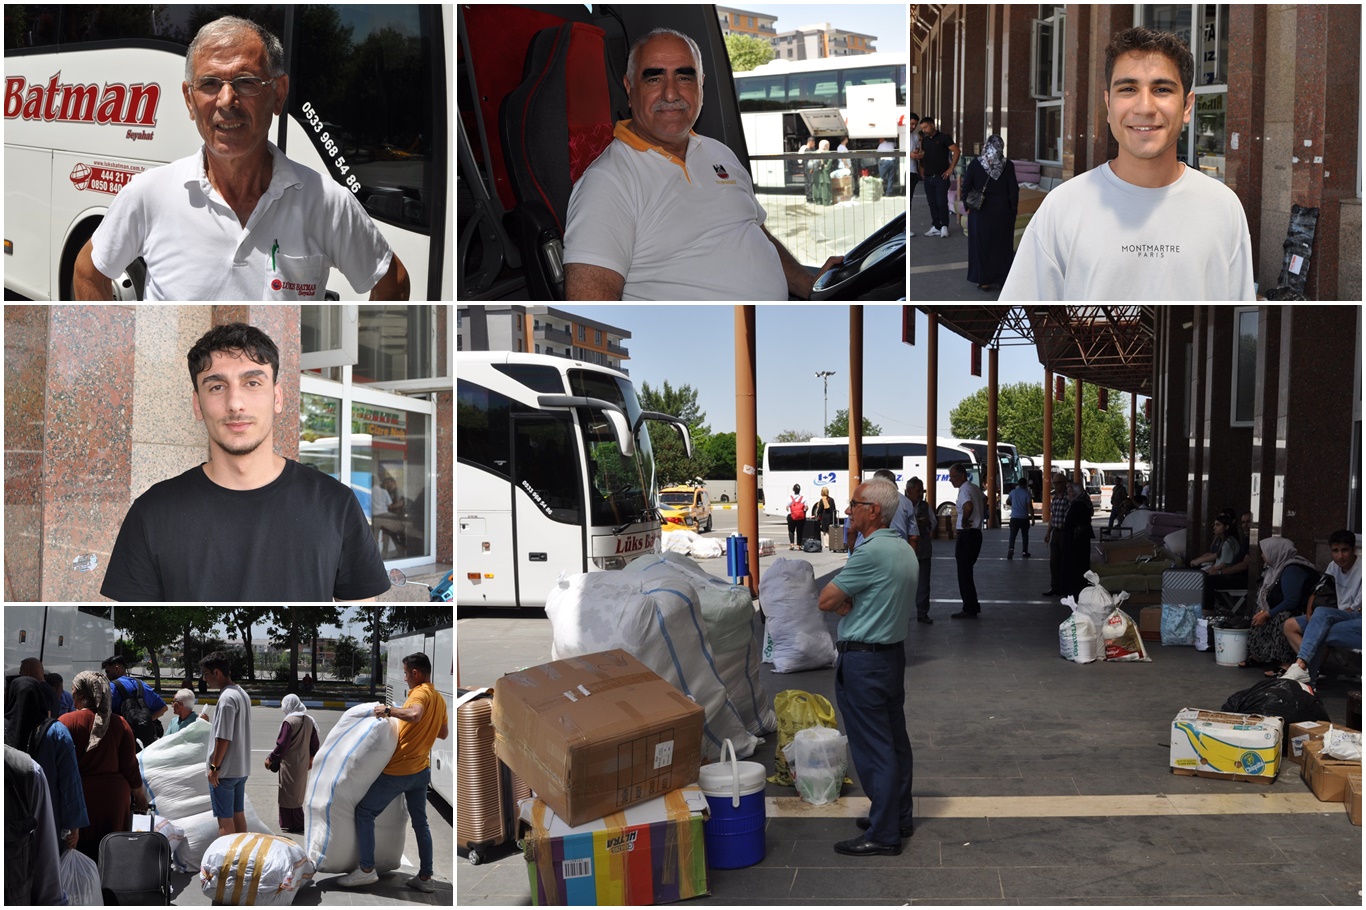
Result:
x=878 y=264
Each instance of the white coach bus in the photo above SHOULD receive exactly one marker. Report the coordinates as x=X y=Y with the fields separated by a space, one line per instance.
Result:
x=554 y=473
x=93 y=97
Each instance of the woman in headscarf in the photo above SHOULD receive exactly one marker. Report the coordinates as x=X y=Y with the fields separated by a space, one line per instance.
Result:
x=991 y=228
x=819 y=169
x=26 y=729
x=294 y=749
x=1287 y=581
x=104 y=752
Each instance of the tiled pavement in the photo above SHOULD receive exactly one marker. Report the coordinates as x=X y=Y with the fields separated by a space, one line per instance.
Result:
x=994 y=712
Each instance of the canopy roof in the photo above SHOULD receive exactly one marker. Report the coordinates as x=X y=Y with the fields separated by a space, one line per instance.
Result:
x=1107 y=346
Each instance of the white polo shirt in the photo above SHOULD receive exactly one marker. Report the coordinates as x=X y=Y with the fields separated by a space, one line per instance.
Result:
x=676 y=230
x=196 y=248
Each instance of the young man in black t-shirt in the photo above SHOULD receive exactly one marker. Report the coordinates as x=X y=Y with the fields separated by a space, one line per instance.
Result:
x=938 y=158
x=247 y=524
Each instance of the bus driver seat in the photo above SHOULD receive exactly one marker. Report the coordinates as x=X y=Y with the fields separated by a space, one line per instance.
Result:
x=553 y=125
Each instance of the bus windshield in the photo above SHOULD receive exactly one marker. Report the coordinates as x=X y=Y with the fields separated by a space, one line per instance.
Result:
x=620 y=486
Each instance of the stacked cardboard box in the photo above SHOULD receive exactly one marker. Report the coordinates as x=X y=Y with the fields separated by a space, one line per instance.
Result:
x=1244 y=747
x=1329 y=777
x=597 y=733
x=1302 y=732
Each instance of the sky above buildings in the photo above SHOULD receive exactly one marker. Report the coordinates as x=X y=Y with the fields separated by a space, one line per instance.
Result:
x=694 y=344
x=887 y=22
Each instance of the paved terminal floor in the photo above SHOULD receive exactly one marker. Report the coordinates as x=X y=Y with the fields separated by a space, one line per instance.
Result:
x=1037 y=780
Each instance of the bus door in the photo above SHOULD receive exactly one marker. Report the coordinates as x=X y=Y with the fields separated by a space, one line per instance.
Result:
x=548 y=509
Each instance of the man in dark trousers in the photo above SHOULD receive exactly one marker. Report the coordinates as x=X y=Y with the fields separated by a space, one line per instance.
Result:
x=938 y=157
x=1076 y=540
x=923 y=545
x=1057 y=512
x=874 y=594
x=972 y=512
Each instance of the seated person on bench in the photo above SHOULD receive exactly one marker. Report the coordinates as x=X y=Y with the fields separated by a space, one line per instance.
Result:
x=1325 y=626
x=1288 y=579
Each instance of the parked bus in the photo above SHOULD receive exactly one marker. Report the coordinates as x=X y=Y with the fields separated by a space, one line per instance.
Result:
x=1107 y=472
x=783 y=102
x=67 y=639
x=93 y=97
x=824 y=462
x=554 y=474
x=1007 y=472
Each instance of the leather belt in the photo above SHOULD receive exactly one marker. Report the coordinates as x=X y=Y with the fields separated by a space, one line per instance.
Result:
x=865 y=646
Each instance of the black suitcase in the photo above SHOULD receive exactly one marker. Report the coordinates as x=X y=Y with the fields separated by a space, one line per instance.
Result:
x=135 y=868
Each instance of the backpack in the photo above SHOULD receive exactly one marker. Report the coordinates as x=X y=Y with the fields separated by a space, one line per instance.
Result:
x=796 y=509
x=134 y=710
x=21 y=827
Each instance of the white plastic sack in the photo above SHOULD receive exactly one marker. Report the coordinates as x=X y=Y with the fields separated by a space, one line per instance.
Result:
x=202 y=830
x=350 y=760
x=1122 y=639
x=175 y=773
x=727 y=609
x=80 y=879
x=800 y=639
x=175 y=835
x=658 y=622
x=1341 y=744
x=819 y=758
x=739 y=671
x=1077 y=638
x=252 y=869
x=691 y=544
x=1096 y=604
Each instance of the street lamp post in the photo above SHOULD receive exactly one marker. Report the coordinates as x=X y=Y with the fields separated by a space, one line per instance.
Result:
x=824 y=377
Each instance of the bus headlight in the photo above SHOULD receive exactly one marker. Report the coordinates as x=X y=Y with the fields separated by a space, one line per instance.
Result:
x=609 y=562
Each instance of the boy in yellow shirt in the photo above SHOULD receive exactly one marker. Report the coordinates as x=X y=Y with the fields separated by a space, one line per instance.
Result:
x=423 y=718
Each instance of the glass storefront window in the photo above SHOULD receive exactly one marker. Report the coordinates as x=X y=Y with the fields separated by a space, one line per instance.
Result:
x=397 y=341
x=1203 y=144
x=389 y=473
x=1049 y=133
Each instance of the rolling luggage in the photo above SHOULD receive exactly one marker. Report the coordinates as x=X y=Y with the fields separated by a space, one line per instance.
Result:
x=135 y=868
x=488 y=790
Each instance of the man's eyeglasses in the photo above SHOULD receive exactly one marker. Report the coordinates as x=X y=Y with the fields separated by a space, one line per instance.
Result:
x=859 y=502
x=243 y=86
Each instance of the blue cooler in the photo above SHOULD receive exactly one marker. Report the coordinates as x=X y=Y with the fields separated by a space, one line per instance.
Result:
x=735 y=796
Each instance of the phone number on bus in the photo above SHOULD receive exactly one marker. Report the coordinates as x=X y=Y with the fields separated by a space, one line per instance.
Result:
x=340 y=163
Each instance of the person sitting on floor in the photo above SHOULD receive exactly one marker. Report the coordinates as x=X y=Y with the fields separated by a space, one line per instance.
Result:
x=1324 y=626
x=1287 y=582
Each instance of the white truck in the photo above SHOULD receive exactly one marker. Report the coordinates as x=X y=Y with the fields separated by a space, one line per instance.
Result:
x=438 y=643
x=66 y=639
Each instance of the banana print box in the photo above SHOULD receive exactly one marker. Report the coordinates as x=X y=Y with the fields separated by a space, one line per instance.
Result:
x=1244 y=747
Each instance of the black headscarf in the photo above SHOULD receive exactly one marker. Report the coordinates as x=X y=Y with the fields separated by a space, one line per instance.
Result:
x=26 y=707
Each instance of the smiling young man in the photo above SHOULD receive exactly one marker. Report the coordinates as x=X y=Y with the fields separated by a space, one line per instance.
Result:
x=666 y=214
x=247 y=524
x=237 y=220
x=1142 y=226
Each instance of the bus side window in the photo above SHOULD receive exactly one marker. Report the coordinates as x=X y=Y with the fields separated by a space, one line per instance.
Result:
x=482 y=428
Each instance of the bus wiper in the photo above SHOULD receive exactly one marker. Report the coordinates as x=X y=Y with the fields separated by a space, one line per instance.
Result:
x=644 y=516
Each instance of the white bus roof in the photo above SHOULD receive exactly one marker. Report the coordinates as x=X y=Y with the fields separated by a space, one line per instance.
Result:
x=778 y=67
x=563 y=363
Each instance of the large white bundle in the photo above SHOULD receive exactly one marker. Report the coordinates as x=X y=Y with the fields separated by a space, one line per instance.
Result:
x=175 y=773
x=254 y=869
x=739 y=671
x=659 y=624
x=350 y=760
x=690 y=544
x=202 y=830
x=727 y=609
x=796 y=627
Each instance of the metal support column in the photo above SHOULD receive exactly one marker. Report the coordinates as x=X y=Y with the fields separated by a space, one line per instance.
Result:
x=746 y=432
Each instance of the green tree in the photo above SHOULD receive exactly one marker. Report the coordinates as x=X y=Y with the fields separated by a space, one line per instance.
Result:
x=347 y=657
x=746 y=53
x=154 y=629
x=796 y=435
x=840 y=425
x=672 y=465
x=1019 y=420
x=721 y=450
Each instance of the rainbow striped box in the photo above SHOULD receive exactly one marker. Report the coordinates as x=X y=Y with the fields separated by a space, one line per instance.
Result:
x=650 y=853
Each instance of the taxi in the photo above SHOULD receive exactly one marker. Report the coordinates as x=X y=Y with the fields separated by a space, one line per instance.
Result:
x=685 y=506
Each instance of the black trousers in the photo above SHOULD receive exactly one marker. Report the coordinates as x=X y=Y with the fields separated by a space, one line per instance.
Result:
x=1055 y=562
x=966 y=549
x=922 y=588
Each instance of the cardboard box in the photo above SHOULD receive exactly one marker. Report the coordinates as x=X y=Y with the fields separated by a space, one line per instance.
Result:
x=1353 y=799
x=1150 y=623
x=1327 y=777
x=1300 y=733
x=1244 y=747
x=597 y=733
x=652 y=853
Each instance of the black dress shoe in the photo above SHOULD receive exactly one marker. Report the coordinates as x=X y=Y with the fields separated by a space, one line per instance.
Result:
x=862 y=846
x=925 y=619
x=963 y=614
x=865 y=823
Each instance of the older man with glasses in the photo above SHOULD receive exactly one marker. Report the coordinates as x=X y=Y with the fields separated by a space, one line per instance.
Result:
x=237 y=220
x=874 y=595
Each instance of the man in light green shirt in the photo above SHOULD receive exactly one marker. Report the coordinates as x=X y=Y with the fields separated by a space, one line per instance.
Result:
x=875 y=596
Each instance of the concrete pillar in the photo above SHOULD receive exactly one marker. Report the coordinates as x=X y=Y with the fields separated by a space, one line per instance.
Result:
x=1245 y=124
